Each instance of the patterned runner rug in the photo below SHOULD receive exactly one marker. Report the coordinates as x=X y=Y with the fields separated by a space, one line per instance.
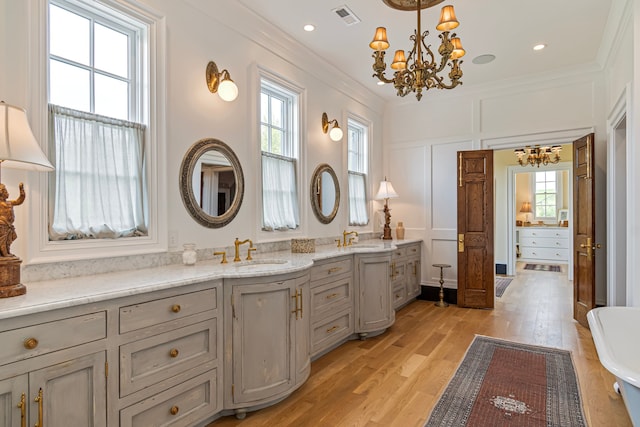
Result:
x=501 y=285
x=503 y=383
x=542 y=267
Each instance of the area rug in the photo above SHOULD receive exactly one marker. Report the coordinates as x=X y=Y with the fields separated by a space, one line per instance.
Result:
x=503 y=383
x=501 y=285
x=542 y=267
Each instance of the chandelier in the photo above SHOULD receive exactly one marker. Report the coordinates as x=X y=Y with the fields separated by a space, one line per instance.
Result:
x=420 y=70
x=535 y=156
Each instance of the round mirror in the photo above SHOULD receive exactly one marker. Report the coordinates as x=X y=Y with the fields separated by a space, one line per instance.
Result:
x=325 y=193
x=211 y=183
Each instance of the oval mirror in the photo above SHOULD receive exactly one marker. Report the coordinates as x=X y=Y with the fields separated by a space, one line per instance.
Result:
x=211 y=183
x=325 y=193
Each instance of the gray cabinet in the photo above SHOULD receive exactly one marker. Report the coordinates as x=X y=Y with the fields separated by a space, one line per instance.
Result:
x=374 y=308
x=266 y=339
x=405 y=273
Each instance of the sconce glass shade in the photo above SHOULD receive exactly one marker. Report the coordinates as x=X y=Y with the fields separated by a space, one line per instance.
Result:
x=379 y=41
x=335 y=133
x=386 y=191
x=458 y=51
x=399 y=61
x=448 y=20
x=18 y=147
x=227 y=90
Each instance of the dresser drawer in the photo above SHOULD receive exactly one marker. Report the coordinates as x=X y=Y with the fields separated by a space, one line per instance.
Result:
x=30 y=341
x=544 y=232
x=399 y=253
x=186 y=404
x=413 y=250
x=151 y=313
x=544 y=242
x=551 y=254
x=332 y=296
x=330 y=269
x=329 y=332
x=154 y=359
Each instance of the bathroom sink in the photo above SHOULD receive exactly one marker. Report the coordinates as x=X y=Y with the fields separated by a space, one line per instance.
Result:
x=261 y=263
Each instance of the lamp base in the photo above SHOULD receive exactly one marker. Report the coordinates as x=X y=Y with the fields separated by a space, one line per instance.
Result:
x=386 y=235
x=10 y=285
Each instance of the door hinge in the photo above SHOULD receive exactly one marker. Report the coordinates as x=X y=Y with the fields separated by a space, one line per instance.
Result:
x=460 y=170
x=106 y=369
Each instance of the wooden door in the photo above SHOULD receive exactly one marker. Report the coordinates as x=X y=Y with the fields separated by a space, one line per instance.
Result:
x=476 y=278
x=584 y=279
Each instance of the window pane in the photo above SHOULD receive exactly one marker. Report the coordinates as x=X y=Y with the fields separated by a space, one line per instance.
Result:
x=69 y=86
x=276 y=141
x=69 y=35
x=264 y=108
x=277 y=112
x=264 y=138
x=111 y=97
x=111 y=51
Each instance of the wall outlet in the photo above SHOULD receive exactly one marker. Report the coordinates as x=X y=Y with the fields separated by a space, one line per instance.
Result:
x=173 y=239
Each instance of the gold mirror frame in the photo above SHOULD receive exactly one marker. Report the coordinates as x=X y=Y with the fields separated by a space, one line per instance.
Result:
x=186 y=186
x=315 y=189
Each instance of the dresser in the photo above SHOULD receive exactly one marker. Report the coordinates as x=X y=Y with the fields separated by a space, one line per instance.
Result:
x=546 y=244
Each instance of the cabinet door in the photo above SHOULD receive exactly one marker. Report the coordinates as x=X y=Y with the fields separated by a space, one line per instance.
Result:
x=12 y=390
x=302 y=326
x=73 y=393
x=263 y=340
x=374 y=310
x=413 y=278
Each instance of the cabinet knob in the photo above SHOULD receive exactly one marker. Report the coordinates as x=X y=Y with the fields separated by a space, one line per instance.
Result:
x=176 y=308
x=174 y=352
x=174 y=410
x=30 y=343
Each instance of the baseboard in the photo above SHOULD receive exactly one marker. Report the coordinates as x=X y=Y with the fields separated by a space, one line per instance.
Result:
x=501 y=268
x=432 y=293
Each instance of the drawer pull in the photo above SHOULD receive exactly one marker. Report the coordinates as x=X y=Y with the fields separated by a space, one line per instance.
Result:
x=332 y=296
x=30 y=343
x=176 y=308
x=174 y=410
x=332 y=329
x=334 y=269
x=174 y=352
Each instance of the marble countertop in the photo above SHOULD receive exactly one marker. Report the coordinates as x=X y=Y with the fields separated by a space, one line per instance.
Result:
x=61 y=293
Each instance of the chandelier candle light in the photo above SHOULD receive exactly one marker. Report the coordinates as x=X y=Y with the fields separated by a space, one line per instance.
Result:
x=386 y=192
x=420 y=70
x=535 y=156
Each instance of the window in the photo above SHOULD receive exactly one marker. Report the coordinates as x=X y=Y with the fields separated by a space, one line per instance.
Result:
x=546 y=194
x=279 y=148
x=357 y=165
x=97 y=131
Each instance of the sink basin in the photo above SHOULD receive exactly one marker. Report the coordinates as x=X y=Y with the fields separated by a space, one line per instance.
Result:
x=261 y=263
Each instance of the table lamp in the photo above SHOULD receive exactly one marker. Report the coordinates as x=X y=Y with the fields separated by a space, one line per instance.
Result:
x=19 y=150
x=526 y=210
x=386 y=192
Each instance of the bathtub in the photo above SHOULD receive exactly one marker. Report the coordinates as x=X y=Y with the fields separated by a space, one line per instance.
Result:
x=616 y=334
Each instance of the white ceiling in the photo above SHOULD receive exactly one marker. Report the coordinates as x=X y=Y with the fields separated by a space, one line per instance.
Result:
x=572 y=29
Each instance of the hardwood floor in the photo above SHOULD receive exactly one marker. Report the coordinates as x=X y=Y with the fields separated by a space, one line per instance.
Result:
x=395 y=379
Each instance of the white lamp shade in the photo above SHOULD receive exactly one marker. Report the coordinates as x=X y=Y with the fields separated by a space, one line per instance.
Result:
x=227 y=90
x=18 y=147
x=386 y=191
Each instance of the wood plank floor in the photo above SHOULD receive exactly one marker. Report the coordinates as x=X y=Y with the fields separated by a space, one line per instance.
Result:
x=395 y=379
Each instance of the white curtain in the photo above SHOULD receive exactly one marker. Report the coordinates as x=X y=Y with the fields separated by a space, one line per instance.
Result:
x=357 y=199
x=99 y=189
x=279 y=194
x=210 y=191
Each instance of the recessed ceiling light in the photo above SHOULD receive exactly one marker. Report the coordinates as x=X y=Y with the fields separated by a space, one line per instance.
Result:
x=483 y=59
x=539 y=46
x=309 y=27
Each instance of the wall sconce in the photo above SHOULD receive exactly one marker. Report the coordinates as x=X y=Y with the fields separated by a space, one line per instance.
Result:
x=336 y=133
x=221 y=83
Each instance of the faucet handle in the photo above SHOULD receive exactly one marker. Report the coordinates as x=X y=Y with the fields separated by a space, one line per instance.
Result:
x=224 y=256
x=338 y=241
x=350 y=243
x=249 y=253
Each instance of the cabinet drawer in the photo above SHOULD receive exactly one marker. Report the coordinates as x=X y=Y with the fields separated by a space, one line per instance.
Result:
x=327 y=333
x=44 y=338
x=151 y=360
x=150 y=313
x=544 y=242
x=333 y=296
x=544 y=232
x=399 y=296
x=331 y=269
x=399 y=253
x=186 y=404
x=413 y=250
x=546 y=253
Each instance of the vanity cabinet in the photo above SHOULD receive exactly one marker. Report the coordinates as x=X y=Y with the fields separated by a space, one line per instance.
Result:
x=266 y=339
x=332 y=303
x=170 y=356
x=547 y=244
x=53 y=370
x=374 y=303
x=405 y=273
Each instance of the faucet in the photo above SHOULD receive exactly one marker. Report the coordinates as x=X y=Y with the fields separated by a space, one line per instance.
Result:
x=344 y=237
x=237 y=244
x=224 y=256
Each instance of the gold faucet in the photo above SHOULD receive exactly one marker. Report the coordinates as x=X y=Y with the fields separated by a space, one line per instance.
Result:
x=224 y=256
x=237 y=244
x=344 y=237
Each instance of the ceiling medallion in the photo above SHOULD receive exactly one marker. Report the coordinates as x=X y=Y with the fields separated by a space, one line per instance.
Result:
x=420 y=70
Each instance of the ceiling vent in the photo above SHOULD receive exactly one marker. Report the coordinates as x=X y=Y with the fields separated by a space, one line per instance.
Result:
x=347 y=16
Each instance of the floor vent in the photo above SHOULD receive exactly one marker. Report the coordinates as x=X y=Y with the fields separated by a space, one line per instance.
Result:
x=347 y=16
